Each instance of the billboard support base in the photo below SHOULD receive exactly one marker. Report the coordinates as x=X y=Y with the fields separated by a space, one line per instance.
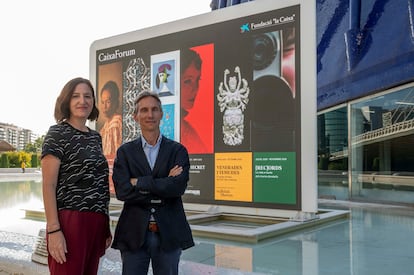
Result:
x=305 y=216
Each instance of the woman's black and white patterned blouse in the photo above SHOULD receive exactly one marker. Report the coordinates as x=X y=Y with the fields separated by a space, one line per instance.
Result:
x=83 y=175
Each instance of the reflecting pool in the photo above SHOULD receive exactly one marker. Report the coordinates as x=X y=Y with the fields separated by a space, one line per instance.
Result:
x=375 y=239
x=15 y=197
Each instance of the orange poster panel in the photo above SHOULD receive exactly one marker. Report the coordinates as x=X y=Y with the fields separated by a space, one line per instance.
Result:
x=233 y=176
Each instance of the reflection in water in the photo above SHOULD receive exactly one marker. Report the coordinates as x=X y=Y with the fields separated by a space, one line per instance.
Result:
x=371 y=241
x=19 y=192
x=16 y=196
x=376 y=239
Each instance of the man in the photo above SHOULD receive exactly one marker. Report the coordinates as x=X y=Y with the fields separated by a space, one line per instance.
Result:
x=150 y=175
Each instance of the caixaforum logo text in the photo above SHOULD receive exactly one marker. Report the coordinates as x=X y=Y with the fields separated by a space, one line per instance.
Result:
x=109 y=56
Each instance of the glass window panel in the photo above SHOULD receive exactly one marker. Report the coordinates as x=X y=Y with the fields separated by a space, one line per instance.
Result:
x=382 y=143
x=333 y=154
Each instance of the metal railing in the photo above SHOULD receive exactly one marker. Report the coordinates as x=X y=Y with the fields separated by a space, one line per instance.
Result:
x=381 y=133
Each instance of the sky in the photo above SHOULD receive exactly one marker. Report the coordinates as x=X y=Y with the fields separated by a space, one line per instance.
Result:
x=45 y=43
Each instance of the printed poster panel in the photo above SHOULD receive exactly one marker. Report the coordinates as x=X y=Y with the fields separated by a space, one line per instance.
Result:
x=167 y=127
x=164 y=73
x=109 y=104
x=274 y=177
x=197 y=98
x=201 y=184
x=229 y=91
x=233 y=174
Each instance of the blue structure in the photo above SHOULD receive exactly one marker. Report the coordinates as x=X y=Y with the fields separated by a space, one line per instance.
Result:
x=363 y=47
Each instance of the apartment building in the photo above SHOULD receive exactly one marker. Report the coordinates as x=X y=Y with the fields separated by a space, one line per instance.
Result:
x=16 y=136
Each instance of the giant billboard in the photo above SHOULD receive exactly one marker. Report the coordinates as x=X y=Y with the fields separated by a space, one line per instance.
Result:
x=232 y=89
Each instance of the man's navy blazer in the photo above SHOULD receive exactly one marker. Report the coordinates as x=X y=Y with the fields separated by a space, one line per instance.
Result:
x=155 y=193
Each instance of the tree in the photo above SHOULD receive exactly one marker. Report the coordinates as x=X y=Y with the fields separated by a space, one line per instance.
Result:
x=30 y=148
x=35 y=160
x=4 y=161
x=35 y=147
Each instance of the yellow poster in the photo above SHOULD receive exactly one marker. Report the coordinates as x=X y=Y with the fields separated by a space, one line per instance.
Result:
x=233 y=176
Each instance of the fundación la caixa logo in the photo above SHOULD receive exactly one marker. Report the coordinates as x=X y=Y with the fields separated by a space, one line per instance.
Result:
x=244 y=28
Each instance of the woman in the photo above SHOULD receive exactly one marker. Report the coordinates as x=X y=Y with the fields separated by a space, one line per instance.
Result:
x=75 y=184
x=189 y=82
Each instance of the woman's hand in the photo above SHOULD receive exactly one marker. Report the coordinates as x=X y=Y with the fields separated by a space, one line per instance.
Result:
x=108 y=242
x=57 y=246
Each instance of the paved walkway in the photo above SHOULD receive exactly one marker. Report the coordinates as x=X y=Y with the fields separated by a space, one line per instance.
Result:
x=15 y=174
x=16 y=252
x=15 y=255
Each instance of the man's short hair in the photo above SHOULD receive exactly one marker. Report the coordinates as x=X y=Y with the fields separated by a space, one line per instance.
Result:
x=144 y=94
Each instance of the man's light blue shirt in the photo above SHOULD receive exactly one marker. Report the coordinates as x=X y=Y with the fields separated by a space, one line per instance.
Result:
x=151 y=151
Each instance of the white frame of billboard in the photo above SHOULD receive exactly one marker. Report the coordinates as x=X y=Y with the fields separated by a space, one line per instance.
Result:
x=309 y=204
